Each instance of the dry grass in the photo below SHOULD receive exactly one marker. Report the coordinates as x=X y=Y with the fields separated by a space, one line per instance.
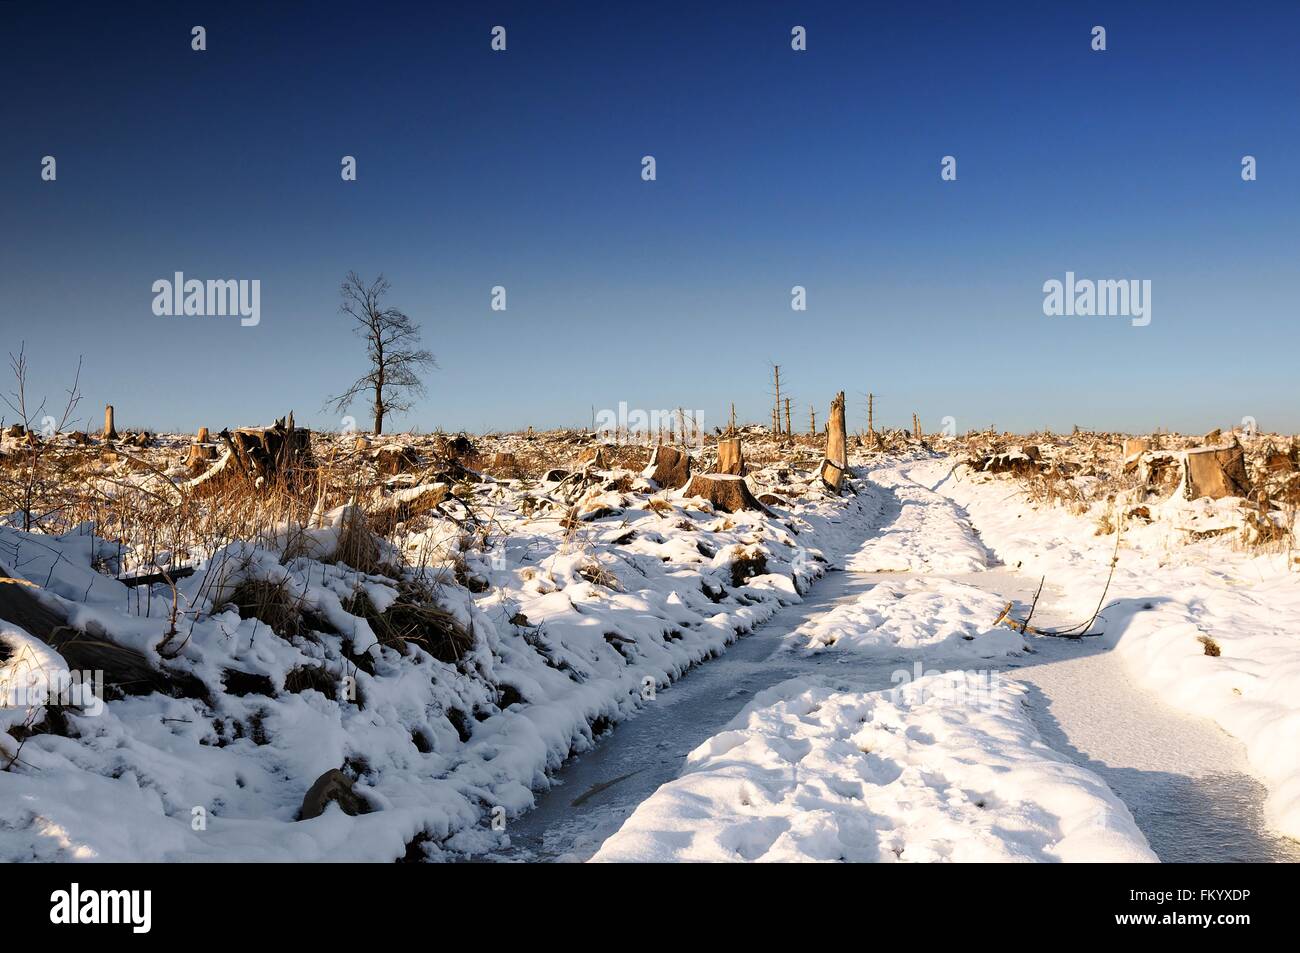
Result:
x=270 y=603
x=747 y=564
x=414 y=617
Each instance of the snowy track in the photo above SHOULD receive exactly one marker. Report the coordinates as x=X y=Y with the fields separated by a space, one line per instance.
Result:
x=1184 y=780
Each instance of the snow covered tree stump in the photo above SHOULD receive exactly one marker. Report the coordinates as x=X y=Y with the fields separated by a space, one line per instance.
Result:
x=395 y=459
x=258 y=456
x=726 y=491
x=831 y=475
x=270 y=452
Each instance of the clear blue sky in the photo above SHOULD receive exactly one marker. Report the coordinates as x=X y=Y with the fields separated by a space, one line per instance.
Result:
x=775 y=168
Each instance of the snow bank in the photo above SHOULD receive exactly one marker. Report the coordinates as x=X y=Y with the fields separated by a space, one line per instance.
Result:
x=572 y=624
x=1213 y=630
x=945 y=617
x=809 y=773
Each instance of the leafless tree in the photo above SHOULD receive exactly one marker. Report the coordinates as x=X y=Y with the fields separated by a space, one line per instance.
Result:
x=393 y=347
x=27 y=485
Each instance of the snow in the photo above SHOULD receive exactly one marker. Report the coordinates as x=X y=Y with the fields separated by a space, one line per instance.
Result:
x=809 y=773
x=757 y=791
x=1166 y=596
x=947 y=618
x=577 y=625
x=924 y=532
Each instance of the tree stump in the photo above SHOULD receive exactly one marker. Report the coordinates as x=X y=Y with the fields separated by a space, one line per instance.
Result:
x=200 y=455
x=1134 y=447
x=1277 y=462
x=277 y=453
x=504 y=465
x=669 y=467
x=393 y=460
x=730 y=458
x=1216 y=473
x=831 y=475
x=593 y=457
x=109 y=432
x=836 y=463
x=726 y=491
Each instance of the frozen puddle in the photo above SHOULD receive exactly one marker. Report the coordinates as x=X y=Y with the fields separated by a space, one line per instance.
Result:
x=1182 y=778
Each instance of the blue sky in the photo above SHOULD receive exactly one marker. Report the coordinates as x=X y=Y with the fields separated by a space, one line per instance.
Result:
x=775 y=169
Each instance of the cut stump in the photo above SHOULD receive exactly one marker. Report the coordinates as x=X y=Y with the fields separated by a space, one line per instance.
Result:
x=1217 y=472
x=730 y=457
x=669 y=467
x=726 y=491
x=593 y=457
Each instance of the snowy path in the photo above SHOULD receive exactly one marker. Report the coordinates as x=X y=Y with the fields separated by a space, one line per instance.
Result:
x=1184 y=780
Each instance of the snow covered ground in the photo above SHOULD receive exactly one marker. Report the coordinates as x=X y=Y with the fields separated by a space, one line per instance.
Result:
x=1213 y=630
x=787 y=778
x=917 y=532
x=578 y=624
x=893 y=722
x=943 y=768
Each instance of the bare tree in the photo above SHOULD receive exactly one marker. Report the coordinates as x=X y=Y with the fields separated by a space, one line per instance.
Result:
x=29 y=485
x=393 y=347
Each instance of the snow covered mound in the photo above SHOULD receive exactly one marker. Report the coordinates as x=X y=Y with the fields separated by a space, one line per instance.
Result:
x=934 y=770
x=947 y=617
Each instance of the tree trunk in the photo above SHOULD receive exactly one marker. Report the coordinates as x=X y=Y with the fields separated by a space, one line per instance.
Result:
x=124 y=669
x=837 y=438
x=837 y=461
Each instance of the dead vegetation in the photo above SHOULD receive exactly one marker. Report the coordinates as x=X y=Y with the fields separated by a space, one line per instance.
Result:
x=1239 y=484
